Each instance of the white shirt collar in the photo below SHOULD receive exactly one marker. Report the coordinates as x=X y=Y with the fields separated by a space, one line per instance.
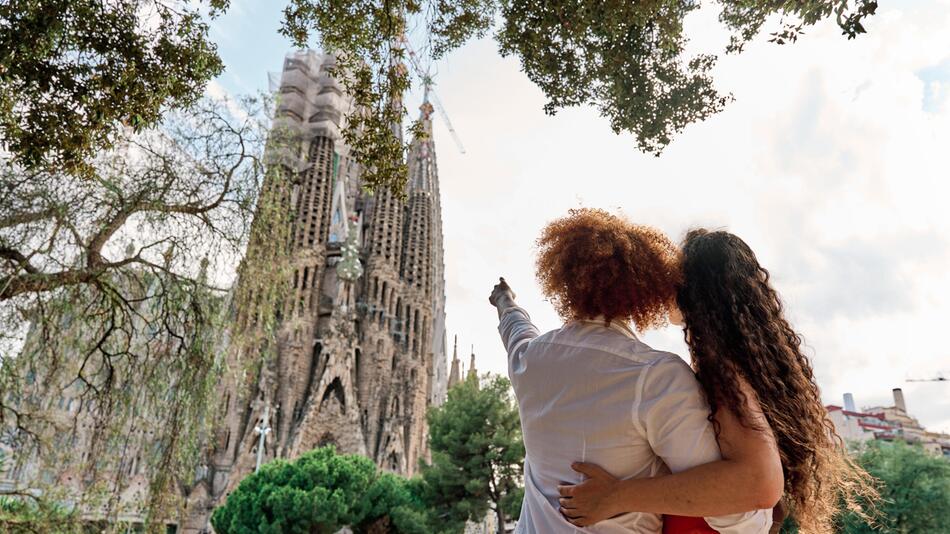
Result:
x=615 y=324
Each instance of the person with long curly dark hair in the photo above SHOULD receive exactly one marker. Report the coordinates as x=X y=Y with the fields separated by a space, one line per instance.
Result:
x=762 y=395
x=591 y=390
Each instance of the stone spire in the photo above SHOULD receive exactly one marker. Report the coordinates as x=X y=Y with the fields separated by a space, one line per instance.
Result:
x=386 y=228
x=421 y=208
x=455 y=376
x=472 y=371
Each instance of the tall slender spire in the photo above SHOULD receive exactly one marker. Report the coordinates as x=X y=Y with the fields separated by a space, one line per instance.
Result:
x=455 y=376
x=422 y=239
x=472 y=371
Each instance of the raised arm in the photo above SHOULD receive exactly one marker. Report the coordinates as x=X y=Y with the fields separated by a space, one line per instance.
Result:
x=514 y=326
x=749 y=477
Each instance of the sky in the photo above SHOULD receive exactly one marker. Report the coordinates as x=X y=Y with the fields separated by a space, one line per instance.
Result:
x=832 y=163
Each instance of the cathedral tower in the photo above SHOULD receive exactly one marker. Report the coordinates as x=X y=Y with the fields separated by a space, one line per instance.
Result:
x=362 y=348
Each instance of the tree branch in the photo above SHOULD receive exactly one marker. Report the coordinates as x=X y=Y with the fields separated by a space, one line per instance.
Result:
x=25 y=218
x=18 y=257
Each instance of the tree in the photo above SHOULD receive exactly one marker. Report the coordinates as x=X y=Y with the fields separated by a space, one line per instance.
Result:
x=915 y=490
x=111 y=320
x=75 y=71
x=28 y=516
x=627 y=59
x=321 y=492
x=477 y=454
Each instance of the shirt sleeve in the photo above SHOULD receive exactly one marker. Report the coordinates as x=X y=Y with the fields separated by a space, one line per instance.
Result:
x=675 y=419
x=516 y=331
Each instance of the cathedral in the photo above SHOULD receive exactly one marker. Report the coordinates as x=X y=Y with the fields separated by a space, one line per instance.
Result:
x=362 y=344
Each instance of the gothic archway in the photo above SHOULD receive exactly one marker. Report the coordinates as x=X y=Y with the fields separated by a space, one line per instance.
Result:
x=334 y=392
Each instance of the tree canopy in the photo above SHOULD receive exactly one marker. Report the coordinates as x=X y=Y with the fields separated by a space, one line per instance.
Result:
x=73 y=72
x=477 y=454
x=626 y=59
x=321 y=492
x=477 y=463
x=112 y=319
x=915 y=490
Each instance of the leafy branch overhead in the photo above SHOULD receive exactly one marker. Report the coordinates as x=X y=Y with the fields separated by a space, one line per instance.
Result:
x=72 y=72
x=626 y=59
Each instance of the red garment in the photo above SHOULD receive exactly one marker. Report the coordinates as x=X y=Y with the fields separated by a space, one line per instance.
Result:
x=677 y=524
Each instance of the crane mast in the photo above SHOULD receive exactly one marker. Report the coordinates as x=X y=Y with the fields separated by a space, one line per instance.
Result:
x=427 y=82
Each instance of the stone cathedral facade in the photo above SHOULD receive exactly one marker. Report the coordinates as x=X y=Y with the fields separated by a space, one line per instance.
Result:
x=362 y=347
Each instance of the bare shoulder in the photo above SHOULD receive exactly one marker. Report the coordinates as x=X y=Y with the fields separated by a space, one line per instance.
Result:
x=752 y=405
x=734 y=436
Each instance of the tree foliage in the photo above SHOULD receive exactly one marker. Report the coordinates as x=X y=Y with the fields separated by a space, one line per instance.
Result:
x=322 y=492
x=915 y=490
x=477 y=464
x=73 y=72
x=626 y=59
x=25 y=515
x=477 y=454
x=111 y=322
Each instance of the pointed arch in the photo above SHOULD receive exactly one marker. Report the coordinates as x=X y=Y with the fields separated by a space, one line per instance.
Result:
x=334 y=391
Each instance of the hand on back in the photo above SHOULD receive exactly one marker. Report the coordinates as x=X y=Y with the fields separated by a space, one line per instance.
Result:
x=592 y=500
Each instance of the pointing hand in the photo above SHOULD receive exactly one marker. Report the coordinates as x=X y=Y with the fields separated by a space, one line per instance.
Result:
x=502 y=296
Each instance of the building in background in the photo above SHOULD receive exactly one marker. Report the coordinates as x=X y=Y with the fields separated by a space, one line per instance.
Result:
x=361 y=346
x=886 y=423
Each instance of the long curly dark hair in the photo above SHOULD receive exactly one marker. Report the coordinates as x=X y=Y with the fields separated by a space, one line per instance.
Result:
x=735 y=327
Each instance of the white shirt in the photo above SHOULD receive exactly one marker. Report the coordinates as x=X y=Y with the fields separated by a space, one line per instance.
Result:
x=595 y=393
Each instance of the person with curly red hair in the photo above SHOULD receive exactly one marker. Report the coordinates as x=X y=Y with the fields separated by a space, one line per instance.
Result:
x=773 y=429
x=591 y=391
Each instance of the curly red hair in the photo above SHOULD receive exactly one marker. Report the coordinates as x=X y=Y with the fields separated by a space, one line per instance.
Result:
x=595 y=264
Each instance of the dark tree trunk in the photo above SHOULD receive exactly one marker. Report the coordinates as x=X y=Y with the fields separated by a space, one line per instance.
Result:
x=380 y=526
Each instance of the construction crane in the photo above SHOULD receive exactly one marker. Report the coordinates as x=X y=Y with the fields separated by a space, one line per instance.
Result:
x=938 y=379
x=427 y=82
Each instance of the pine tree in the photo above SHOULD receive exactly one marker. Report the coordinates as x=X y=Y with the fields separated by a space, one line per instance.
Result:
x=477 y=454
